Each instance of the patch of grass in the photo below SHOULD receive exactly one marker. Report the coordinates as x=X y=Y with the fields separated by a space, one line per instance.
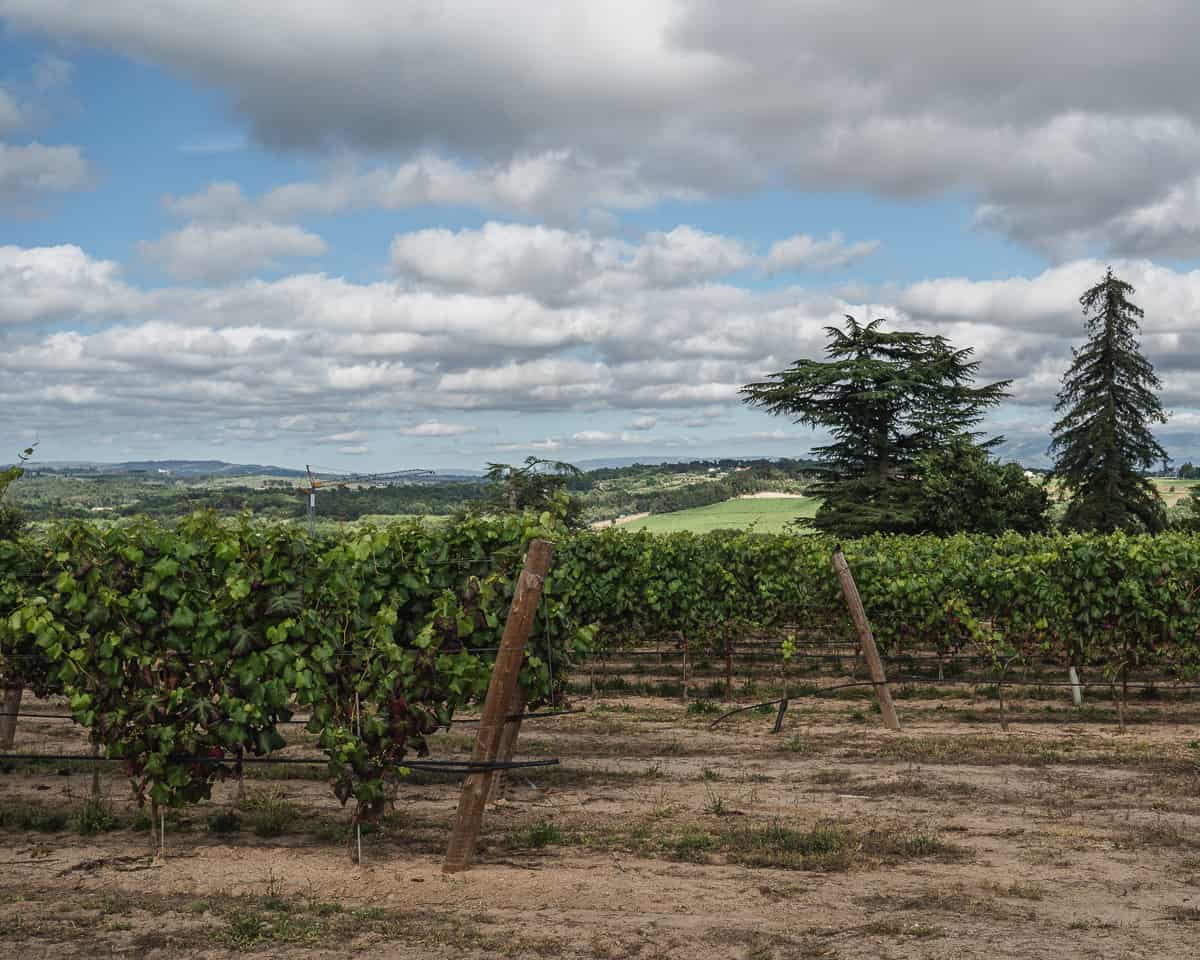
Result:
x=796 y=744
x=837 y=778
x=911 y=785
x=28 y=817
x=538 y=836
x=1160 y=833
x=832 y=847
x=823 y=848
x=1184 y=914
x=691 y=846
x=702 y=708
x=246 y=928
x=916 y=845
x=710 y=775
x=271 y=815
x=894 y=927
x=1021 y=889
x=95 y=817
x=224 y=822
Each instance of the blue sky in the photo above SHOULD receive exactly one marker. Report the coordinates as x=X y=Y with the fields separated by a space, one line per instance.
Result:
x=442 y=235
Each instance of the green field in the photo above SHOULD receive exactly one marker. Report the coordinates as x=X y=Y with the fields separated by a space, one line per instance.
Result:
x=766 y=516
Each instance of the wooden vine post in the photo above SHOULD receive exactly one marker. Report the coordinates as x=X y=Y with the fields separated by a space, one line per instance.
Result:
x=8 y=714
x=508 y=743
x=497 y=705
x=867 y=639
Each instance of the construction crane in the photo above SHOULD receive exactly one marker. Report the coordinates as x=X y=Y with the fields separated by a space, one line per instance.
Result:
x=317 y=479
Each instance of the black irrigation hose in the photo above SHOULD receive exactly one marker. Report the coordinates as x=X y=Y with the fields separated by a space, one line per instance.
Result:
x=449 y=766
x=514 y=716
x=771 y=703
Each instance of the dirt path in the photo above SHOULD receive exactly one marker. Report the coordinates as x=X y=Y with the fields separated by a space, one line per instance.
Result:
x=660 y=837
x=619 y=521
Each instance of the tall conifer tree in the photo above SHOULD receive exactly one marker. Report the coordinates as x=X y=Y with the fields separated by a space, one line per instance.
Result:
x=1103 y=443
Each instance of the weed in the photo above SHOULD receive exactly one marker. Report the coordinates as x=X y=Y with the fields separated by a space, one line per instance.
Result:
x=541 y=834
x=797 y=744
x=709 y=774
x=691 y=846
x=715 y=805
x=271 y=814
x=702 y=708
x=245 y=929
x=95 y=817
x=224 y=822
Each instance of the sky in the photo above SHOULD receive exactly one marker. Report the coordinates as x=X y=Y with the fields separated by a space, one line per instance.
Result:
x=385 y=234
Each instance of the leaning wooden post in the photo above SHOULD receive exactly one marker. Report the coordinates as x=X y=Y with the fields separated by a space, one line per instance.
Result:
x=8 y=715
x=501 y=695
x=508 y=743
x=867 y=639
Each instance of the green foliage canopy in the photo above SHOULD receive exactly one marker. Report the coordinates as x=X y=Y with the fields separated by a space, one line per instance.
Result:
x=886 y=398
x=1103 y=442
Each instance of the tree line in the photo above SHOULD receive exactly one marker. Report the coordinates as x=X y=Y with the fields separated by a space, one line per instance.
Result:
x=901 y=409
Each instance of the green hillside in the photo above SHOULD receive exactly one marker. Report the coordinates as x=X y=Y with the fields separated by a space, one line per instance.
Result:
x=767 y=515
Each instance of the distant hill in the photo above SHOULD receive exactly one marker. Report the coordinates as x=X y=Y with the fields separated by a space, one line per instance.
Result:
x=177 y=468
x=616 y=463
x=202 y=469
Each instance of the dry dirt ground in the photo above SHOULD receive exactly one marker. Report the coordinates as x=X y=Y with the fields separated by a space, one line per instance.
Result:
x=656 y=837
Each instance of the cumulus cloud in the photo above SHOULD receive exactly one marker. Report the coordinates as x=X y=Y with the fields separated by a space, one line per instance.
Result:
x=558 y=266
x=435 y=428
x=803 y=252
x=45 y=284
x=327 y=360
x=30 y=171
x=557 y=185
x=558 y=110
x=348 y=436
x=218 y=253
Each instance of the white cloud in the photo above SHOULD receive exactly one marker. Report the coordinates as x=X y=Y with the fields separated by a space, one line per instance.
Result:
x=354 y=451
x=223 y=201
x=26 y=172
x=555 y=110
x=44 y=284
x=550 y=443
x=594 y=436
x=435 y=428
x=328 y=361
x=559 y=266
x=10 y=114
x=214 y=254
x=802 y=252
x=686 y=255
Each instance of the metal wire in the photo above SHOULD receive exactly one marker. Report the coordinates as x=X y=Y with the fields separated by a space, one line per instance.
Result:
x=449 y=766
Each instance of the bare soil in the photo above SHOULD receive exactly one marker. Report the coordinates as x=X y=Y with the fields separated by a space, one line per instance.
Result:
x=656 y=837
